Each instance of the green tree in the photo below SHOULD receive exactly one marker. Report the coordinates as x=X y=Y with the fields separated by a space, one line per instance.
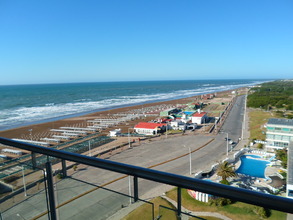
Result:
x=226 y=170
x=282 y=156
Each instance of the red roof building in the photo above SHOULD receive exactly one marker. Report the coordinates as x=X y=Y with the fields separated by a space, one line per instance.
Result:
x=148 y=128
x=199 y=118
x=197 y=114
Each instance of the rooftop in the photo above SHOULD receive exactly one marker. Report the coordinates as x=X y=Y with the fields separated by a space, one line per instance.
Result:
x=148 y=125
x=280 y=121
x=199 y=114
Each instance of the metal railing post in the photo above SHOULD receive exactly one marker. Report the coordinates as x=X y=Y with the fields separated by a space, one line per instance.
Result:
x=179 y=202
x=64 y=170
x=52 y=210
x=135 y=188
x=34 y=161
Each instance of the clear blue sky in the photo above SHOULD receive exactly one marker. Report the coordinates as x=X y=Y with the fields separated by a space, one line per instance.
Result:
x=51 y=41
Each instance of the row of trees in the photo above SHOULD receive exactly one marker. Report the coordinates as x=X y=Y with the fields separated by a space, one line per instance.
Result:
x=278 y=94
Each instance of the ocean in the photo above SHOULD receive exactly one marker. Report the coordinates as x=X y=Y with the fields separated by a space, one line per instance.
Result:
x=28 y=104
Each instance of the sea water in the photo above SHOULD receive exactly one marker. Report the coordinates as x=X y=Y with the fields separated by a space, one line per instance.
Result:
x=26 y=104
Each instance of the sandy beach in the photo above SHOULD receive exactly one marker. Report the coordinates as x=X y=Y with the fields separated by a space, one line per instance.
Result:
x=43 y=129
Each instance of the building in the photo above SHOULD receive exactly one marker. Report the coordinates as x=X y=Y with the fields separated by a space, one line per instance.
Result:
x=177 y=125
x=199 y=118
x=148 y=128
x=279 y=133
x=168 y=112
x=289 y=191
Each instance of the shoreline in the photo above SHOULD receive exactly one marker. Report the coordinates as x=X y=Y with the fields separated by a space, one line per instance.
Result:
x=78 y=114
x=80 y=118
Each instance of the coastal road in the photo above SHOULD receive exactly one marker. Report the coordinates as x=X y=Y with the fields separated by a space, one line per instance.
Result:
x=100 y=204
x=234 y=122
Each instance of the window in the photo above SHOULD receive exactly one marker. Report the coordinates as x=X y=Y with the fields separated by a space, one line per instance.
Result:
x=280 y=144
x=270 y=136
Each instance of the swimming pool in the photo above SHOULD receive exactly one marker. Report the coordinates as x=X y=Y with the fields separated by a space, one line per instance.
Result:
x=188 y=113
x=252 y=167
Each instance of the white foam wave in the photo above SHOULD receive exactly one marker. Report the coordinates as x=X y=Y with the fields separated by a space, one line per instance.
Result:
x=52 y=110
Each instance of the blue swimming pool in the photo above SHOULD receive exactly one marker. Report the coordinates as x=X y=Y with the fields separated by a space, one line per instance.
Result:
x=252 y=167
x=188 y=113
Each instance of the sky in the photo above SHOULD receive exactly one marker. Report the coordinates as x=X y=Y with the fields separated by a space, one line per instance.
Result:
x=53 y=41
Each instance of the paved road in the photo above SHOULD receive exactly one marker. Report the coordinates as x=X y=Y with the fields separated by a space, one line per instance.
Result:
x=101 y=203
x=234 y=123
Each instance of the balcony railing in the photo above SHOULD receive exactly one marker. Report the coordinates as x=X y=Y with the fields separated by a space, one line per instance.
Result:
x=234 y=193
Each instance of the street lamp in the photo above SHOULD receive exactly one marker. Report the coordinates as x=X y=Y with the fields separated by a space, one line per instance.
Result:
x=189 y=160
x=31 y=135
x=167 y=130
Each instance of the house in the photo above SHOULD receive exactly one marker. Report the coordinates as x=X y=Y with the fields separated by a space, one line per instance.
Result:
x=199 y=117
x=148 y=128
x=177 y=124
x=279 y=133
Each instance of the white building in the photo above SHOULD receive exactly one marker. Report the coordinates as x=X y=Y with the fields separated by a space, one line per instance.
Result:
x=199 y=118
x=279 y=133
x=148 y=128
x=177 y=125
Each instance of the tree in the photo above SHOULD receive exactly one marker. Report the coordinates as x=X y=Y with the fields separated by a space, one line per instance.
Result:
x=282 y=156
x=226 y=170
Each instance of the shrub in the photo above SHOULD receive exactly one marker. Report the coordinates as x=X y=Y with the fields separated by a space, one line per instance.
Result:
x=74 y=167
x=59 y=176
x=220 y=202
x=260 y=146
x=225 y=182
x=261 y=211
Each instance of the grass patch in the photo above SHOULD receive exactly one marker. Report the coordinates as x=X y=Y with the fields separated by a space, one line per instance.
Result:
x=145 y=211
x=257 y=120
x=237 y=210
